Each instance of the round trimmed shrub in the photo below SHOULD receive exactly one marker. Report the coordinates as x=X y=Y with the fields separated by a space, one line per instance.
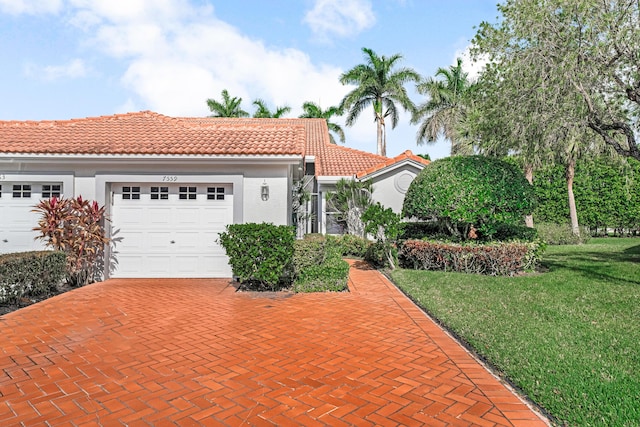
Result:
x=470 y=194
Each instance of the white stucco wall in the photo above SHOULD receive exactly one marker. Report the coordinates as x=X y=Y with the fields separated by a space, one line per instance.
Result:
x=390 y=188
x=276 y=209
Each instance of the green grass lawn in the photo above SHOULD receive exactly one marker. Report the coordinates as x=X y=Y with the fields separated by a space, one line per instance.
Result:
x=568 y=337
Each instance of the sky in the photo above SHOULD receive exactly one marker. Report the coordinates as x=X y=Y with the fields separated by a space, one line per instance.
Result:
x=64 y=59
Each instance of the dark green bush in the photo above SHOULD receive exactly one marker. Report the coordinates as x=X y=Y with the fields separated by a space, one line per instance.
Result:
x=351 y=245
x=561 y=234
x=30 y=273
x=318 y=265
x=432 y=230
x=470 y=192
x=495 y=259
x=377 y=255
x=260 y=254
x=332 y=275
x=507 y=232
x=418 y=230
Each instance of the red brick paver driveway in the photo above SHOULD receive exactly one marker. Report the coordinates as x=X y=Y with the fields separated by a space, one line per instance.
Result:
x=195 y=352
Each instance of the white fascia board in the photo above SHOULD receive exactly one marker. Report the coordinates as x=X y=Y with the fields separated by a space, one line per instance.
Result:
x=393 y=167
x=289 y=159
x=331 y=179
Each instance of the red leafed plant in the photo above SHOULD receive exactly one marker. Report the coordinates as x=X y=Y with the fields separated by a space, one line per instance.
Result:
x=76 y=227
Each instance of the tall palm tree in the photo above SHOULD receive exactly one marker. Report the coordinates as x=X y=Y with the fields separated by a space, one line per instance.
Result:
x=446 y=109
x=380 y=85
x=263 y=112
x=229 y=107
x=314 y=111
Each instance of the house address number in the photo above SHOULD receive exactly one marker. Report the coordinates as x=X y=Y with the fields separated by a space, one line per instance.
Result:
x=169 y=178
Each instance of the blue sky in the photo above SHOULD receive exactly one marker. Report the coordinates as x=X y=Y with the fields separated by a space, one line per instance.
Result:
x=65 y=59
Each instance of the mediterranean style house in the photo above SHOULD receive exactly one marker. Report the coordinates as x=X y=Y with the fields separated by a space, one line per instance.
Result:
x=171 y=184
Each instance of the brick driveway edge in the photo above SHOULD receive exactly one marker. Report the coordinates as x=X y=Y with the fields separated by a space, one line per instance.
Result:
x=166 y=352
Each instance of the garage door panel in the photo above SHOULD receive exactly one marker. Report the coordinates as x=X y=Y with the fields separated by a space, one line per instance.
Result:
x=157 y=265
x=157 y=241
x=157 y=217
x=130 y=241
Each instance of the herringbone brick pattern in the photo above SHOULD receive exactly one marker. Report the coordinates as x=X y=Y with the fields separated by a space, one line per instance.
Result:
x=195 y=352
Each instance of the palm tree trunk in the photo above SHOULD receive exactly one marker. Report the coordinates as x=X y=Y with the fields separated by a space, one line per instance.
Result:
x=528 y=174
x=573 y=213
x=381 y=148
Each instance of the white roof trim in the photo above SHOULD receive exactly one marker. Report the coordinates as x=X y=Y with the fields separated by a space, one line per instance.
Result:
x=154 y=157
x=392 y=167
x=331 y=179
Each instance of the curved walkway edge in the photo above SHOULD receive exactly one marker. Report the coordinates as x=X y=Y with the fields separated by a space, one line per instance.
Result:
x=174 y=352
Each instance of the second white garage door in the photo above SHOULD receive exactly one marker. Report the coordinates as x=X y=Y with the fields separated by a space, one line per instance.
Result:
x=170 y=230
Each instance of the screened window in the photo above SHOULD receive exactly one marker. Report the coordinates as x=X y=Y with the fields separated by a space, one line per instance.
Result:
x=187 y=193
x=159 y=193
x=131 y=193
x=21 y=191
x=51 y=190
x=215 y=193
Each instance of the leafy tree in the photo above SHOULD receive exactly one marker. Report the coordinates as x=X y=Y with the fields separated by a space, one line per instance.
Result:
x=469 y=193
x=379 y=84
x=263 y=112
x=314 y=111
x=585 y=48
x=445 y=111
x=229 y=107
x=527 y=105
x=350 y=200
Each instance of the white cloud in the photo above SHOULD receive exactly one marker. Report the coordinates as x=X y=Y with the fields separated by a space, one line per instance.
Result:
x=340 y=18
x=73 y=69
x=473 y=68
x=175 y=61
x=31 y=7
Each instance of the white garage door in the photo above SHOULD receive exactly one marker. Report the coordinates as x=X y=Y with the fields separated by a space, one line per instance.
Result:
x=17 y=200
x=170 y=230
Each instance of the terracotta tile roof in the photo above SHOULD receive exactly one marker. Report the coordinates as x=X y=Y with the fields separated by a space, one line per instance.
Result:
x=151 y=133
x=330 y=159
x=407 y=155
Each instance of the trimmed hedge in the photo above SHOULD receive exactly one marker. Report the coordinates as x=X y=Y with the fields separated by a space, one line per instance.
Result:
x=260 y=254
x=318 y=265
x=495 y=259
x=30 y=273
x=561 y=234
x=351 y=245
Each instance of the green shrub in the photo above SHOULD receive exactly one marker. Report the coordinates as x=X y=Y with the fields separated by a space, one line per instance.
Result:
x=464 y=193
x=30 y=273
x=495 y=259
x=419 y=230
x=331 y=275
x=351 y=245
x=384 y=225
x=508 y=232
x=260 y=254
x=378 y=253
x=318 y=265
x=561 y=234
